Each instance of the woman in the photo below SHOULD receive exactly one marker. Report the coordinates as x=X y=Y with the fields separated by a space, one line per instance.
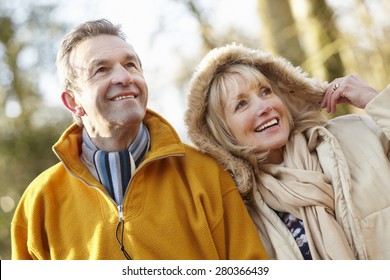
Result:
x=316 y=189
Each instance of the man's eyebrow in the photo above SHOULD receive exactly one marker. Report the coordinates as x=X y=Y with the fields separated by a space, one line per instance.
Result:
x=88 y=68
x=97 y=62
x=132 y=57
x=135 y=58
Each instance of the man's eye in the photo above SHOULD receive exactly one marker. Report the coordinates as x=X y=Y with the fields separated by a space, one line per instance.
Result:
x=101 y=70
x=132 y=65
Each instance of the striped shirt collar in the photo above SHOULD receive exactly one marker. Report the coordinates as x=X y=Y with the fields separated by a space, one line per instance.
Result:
x=115 y=169
x=137 y=148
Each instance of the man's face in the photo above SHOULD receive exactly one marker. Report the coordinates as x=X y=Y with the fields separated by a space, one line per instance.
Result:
x=112 y=90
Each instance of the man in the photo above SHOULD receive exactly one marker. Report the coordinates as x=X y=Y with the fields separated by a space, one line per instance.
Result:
x=125 y=186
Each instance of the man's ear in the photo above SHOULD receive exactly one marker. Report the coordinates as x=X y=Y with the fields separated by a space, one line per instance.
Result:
x=71 y=104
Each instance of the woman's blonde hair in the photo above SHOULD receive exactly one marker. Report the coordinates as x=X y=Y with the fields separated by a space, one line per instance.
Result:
x=215 y=117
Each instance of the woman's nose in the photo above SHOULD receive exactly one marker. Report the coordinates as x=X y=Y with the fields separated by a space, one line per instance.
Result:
x=262 y=107
x=121 y=76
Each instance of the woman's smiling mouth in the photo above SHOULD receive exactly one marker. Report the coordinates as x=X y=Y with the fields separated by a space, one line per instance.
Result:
x=266 y=125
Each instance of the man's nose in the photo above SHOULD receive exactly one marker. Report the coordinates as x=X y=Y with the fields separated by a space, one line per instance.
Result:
x=120 y=75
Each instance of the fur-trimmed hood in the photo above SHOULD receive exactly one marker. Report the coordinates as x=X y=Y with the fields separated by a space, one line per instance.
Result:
x=300 y=93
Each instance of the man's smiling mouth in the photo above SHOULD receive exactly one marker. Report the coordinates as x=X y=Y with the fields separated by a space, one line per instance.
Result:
x=122 y=97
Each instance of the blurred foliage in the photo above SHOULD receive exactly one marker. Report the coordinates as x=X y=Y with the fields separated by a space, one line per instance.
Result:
x=325 y=37
x=27 y=128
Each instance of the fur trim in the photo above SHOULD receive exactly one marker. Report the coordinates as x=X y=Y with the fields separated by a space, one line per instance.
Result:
x=300 y=92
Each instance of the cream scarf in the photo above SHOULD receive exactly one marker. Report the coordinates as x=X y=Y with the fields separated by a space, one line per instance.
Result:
x=300 y=188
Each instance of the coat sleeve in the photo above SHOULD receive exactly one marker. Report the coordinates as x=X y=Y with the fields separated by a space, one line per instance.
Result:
x=19 y=243
x=24 y=229
x=379 y=111
x=236 y=228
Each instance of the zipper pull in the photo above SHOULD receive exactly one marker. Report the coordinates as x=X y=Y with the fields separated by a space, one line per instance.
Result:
x=120 y=212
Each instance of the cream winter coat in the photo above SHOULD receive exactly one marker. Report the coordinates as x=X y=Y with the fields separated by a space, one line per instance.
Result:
x=354 y=154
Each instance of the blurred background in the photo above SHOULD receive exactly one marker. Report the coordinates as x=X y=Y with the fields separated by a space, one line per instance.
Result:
x=327 y=38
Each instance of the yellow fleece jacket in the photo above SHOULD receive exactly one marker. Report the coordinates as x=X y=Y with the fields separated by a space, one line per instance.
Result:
x=180 y=204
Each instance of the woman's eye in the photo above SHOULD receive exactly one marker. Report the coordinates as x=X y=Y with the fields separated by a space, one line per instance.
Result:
x=240 y=104
x=265 y=91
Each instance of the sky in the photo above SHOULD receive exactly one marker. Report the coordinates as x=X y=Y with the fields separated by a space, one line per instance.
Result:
x=158 y=30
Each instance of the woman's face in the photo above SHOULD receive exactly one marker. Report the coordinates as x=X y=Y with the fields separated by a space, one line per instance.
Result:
x=256 y=117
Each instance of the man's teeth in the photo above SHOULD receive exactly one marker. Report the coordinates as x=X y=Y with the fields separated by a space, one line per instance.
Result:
x=268 y=124
x=123 y=97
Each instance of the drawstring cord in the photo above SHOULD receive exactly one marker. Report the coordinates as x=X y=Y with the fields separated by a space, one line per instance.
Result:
x=119 y=237
x=121 y=228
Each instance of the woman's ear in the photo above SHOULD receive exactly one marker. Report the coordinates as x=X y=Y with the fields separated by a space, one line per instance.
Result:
x=71 y=104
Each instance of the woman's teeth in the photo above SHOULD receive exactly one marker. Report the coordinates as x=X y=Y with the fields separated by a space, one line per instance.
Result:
x=266 y=125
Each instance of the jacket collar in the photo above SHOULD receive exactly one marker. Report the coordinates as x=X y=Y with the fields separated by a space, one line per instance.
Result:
x=164 y=142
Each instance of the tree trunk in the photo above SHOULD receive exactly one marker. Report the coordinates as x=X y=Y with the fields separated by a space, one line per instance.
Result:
x=279 y=30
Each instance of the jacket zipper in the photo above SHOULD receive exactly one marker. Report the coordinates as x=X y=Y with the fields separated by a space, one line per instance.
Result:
x=119 y=207
x=120 y=212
